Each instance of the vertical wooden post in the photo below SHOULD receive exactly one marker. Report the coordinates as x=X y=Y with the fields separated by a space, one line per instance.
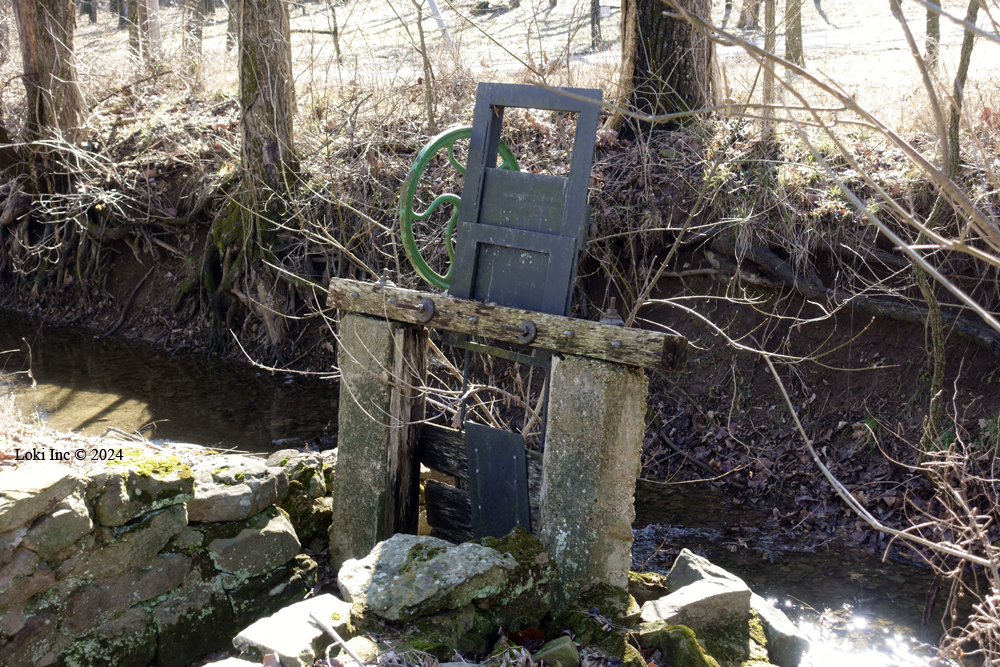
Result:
x=383 y=367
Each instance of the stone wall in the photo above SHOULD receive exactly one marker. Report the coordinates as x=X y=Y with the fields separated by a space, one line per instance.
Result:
x=147 y=560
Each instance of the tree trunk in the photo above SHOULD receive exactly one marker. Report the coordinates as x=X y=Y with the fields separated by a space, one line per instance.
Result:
x=667 y=65
x=54 y=100
x=933 y=35
x=136 y=37
x=595 y=24
x=793 y=32
x=151 y=29
x=267 y=97
x=233 y=23
x=194 y=21
x=749 y=15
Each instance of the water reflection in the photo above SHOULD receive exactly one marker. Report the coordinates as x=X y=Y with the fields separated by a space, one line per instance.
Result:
x=855 y=608
x=86 y=385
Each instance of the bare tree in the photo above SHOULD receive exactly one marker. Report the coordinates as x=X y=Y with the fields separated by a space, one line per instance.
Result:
x=793 y=32
x=45 y=29
x=194 y=21
x=667 y=66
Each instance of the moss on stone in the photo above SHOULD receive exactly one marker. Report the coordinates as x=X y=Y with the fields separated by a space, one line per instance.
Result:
x=150 y=465
x=616 y=613
x=632 y=657
x=681 y=648
x=728 y=643
x=646 y=586
x=756 y=625
x=440 y=634
x=420 y=553
x=526 y=598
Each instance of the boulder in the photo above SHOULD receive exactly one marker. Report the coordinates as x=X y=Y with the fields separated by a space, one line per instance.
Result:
x=291 y=634
x=562 y=651
x=262 y=543
x=32 y=643
x=413 y=575
x=68 y=521
x=362 y=647
x=703 y=604
x=307 y=469
x=234 y=488
x=112 y=551
x=29 y=491
x=689 y=567
x=140 y=483
x=261 y=596
x=128 y=641
x=785 y=645
x=23 y=577
x=106 y=599
x=307 y=503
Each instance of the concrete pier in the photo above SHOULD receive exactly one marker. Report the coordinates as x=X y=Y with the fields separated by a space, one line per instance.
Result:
x=593 y=445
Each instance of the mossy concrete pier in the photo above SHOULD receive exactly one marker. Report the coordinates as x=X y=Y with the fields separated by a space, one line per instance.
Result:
x=593 y=444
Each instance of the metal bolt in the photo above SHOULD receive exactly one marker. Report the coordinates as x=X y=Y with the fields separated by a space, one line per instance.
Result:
x=355 y=295
x=616 y=343
x=611 y=315
x=568 y=334
x=473 y=319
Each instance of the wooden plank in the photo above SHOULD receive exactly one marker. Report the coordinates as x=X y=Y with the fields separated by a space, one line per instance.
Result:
x=443 y=449
x=632 y=347
x=449 y=512
x=406 y=413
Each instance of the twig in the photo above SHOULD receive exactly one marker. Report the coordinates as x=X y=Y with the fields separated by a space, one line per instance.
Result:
x=336 y=637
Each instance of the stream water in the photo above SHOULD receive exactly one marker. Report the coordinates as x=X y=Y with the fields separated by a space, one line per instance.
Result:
x=853 y=606
x=79 y=383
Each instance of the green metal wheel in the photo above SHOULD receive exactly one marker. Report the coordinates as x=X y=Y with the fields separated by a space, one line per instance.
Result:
x=407 y=216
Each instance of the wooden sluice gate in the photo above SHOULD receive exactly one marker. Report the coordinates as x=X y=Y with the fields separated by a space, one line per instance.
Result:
x=519 y=236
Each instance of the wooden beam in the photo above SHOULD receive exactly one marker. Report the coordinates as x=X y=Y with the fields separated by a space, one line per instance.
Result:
x=632 y=347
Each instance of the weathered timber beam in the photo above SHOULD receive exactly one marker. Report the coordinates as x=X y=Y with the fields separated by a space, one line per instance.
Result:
x=632 y=347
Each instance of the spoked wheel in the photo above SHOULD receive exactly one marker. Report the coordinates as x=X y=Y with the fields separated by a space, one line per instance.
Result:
x=408 y=196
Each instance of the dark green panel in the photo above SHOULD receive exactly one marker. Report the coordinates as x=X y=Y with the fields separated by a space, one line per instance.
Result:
x=532 y=202
x=498 y=480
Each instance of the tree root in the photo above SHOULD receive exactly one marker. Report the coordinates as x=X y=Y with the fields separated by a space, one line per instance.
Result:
x=811 y=287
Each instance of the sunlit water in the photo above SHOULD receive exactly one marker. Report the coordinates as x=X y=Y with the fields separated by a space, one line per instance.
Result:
x=856 y=609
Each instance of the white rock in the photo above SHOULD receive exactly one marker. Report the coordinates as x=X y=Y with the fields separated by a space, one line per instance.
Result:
x=292 y=635
x=705 y=603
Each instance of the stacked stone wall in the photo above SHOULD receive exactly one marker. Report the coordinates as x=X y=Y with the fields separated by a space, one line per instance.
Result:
x=147 y=560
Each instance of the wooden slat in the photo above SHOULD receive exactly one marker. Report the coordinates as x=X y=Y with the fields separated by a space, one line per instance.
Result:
x=443 y=449
x=449 y=512
x=632 y=347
